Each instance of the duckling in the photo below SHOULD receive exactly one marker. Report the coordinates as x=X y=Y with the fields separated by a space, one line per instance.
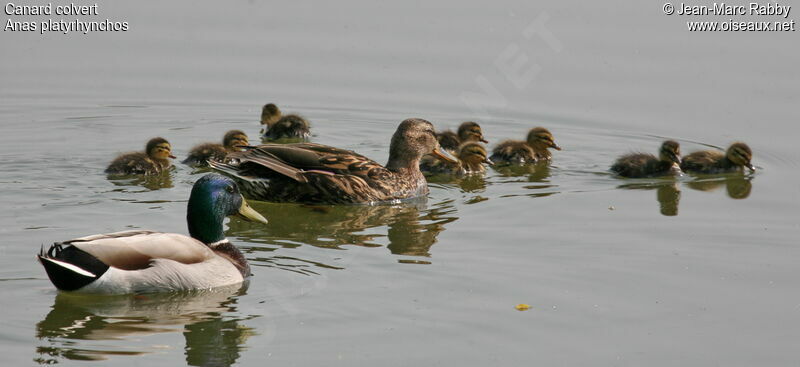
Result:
x=471 y=157
x=648 y=165
x=233 y=141
x=153 y=161
x=320 y=174
x=534 y=149
x=275 y=125
x=145 y=261
x=467 y=131
x=737 y=156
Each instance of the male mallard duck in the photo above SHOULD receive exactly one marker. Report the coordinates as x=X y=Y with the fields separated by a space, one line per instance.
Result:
x=468 y=131
x=233 y=141
x=534 y=149
x=154 y=160
x=316 y=173
x=471 y=157
x=737 y=156
x=648 y=165
x=145 y=261
x=277 y=126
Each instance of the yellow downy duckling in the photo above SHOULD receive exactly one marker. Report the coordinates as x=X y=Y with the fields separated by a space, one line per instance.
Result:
x=534 y=149
x=471 y=157
x=233 y=141
x=737 y=156
x=275 y=125
x=153 y=161
x=648 y=165
x=468 y=131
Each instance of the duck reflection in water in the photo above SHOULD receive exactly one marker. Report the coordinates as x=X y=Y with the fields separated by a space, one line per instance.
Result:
x=91 y=327
x=336 y=226
x=738 y=186
x=668 y=194
x=162 y=180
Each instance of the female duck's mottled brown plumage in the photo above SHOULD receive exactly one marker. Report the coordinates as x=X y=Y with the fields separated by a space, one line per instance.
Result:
x=316 y=173
x=468 y=131
x=471 y=157
x=154 y=160
x=534 y=149
x=737 y=156
x=275 y=125
x=233 y=141
x=648 y=165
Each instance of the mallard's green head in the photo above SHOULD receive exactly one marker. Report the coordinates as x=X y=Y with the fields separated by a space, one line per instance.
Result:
x=234 y=140
x=413 y=139
x=541 y=138
x=471 y=131
x=270 y=114
x=670 y=152
x=740 y=154
x=159 y=148
x=213 y=198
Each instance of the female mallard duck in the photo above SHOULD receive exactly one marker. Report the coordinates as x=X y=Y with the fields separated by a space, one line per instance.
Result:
x=154 y=160
x=316 y=173
x=534 y=149
x=648 y=165
x=737 y=156
x=145 y=261
x=233 y=141
x=468 y=131
x=277 y=126
x=471 y=157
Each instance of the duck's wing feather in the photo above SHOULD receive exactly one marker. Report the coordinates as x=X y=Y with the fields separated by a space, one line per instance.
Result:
x=297 y=160
x=136 y=249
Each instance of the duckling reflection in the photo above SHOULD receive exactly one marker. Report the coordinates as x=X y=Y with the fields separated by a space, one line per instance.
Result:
x=75 y=321
x=414 y=234
x=668 y=195
x=152 y=183
x=737 y=186
x=334 y=226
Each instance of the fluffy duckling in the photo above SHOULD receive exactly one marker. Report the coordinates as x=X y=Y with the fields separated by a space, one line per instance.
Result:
x=471 y=157
x=534 y=149
x=145 y=261
x=320 y=174
x=737 y=156
x=233 y=141
x=648 y=165
x=468 y=131
x=275 y=125
x=153 y=161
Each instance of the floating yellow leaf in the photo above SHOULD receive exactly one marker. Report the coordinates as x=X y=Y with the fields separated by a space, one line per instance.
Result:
x=522 y=307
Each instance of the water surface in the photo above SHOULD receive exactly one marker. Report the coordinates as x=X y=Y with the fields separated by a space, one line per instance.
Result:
x=686 y=271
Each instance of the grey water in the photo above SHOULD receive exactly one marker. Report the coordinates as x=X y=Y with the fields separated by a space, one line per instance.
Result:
x=693 y=271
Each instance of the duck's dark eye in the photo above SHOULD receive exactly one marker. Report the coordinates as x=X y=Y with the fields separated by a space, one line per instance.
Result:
x=229 y=189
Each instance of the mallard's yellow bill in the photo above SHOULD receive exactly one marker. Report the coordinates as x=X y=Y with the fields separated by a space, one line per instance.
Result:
x=248 y=213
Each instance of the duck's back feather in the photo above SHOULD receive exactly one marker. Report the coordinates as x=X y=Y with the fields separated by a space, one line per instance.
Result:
x=130 y=250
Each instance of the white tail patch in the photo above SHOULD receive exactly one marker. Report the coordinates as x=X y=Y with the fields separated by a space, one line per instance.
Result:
x=71 y=267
